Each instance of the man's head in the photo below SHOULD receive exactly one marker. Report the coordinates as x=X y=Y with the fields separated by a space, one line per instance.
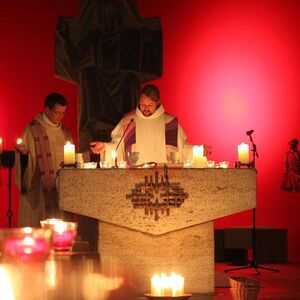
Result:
x=294 y=144
x=55 y=107
x=149 y=100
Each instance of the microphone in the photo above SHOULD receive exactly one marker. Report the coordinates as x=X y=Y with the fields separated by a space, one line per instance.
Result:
x=249 y=132
x=121 y=139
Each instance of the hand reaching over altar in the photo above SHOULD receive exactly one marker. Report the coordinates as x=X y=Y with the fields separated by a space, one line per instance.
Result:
x=207 y=150
x=21 y=148
x=97 y=147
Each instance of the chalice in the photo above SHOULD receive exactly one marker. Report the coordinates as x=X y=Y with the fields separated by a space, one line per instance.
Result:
x=133 y=158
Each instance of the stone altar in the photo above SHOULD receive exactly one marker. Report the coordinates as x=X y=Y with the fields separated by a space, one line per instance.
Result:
x=182 y=241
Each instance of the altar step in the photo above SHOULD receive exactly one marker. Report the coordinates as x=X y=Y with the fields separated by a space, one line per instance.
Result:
x=81 y=246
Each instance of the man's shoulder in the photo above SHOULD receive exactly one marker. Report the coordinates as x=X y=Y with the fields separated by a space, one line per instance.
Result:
x=169 y=117
x=127 y=117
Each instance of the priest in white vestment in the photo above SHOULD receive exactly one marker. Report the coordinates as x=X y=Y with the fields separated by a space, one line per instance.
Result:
x=148 y=130
x=38 y=158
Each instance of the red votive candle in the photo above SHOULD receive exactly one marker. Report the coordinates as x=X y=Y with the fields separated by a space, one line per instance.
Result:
x=64 y=233
x=25 y=244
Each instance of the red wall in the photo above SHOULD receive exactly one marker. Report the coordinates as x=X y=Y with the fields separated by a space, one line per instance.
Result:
x=229 y=66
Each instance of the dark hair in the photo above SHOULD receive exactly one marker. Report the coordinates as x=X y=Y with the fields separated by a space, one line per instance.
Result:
x=55 y=98
x=294 y=142
x=151 y=91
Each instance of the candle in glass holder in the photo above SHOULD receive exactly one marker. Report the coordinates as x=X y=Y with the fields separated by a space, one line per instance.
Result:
x=69 y=154
x=163 y=285
x=25 y=244
x=243 y=153
x=122 y=164
x=64 y=233
x=114 y=158
x=224 y=164
x=211 y=164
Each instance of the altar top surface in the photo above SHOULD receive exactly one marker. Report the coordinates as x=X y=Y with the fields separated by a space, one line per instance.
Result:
x=211 y=194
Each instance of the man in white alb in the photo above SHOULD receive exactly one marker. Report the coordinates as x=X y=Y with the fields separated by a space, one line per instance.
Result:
x=148 y=130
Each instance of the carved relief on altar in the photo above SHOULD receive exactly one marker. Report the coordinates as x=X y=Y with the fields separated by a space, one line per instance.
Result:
x=157 y=194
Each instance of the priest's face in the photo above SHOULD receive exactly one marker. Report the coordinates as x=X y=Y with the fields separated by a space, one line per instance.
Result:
x=147 y=106
x=56 y=114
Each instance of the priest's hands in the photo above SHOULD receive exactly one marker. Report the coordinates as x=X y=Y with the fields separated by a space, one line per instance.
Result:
x=207 y=150
x=97 y=147
x=22 y=149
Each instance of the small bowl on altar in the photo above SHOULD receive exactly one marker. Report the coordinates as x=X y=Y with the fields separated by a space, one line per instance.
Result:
x=90 y=165
x=64 y=233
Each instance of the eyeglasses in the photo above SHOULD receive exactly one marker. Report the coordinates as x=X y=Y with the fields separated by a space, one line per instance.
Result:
x=58 y=113
x=148 y=106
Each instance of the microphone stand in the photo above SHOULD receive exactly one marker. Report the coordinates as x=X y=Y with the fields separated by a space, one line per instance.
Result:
x=7 y=159
x=253 y=263
x=121 y=139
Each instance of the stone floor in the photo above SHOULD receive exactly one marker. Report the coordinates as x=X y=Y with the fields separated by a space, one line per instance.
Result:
x=282 y=285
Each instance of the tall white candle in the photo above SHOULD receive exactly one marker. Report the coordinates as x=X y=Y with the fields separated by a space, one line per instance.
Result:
x=199 y=161
x=69 y=154
x=243 y=153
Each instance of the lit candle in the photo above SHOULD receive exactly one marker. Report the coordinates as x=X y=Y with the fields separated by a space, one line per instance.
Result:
x=199 y=161
x=64 y=233
x=19 y=141
x=69 y=154
x=1 y=147
x=27 y=245
x=163 y=285
x=243 y=153
x=223 y=164
x=114 y=158
x=113 y=154
x=122 y=164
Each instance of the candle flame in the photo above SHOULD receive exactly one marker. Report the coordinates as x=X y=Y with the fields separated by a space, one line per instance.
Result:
x=113 y=154
x=27 y=230
x=198 y=150
x=19 y=141
x=163 y=285
x=60 y=227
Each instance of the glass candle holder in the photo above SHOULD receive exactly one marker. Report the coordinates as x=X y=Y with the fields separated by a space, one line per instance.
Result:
x=224 y=164
x=25 y=244
x=211 y=164
x=64 y=233
x=122 y=164
x=187 y=163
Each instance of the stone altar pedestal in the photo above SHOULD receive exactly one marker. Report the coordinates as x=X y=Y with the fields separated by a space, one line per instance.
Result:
x=181 y=240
